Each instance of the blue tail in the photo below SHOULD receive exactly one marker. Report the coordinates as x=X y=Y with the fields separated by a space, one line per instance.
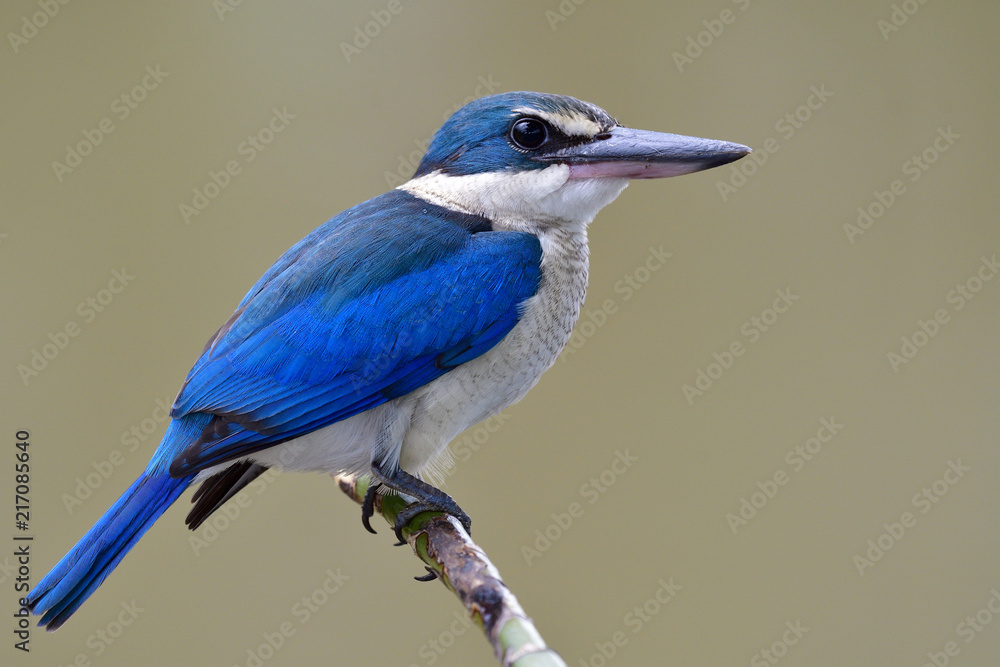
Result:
x=82 y=570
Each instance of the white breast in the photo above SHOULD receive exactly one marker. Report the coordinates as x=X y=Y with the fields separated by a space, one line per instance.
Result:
x=502 y=376
x=415 y=429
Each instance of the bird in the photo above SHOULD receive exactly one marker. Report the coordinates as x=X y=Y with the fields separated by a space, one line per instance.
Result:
x=397 y=324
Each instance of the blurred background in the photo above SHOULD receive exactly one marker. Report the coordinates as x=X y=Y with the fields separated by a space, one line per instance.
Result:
x=778 y=417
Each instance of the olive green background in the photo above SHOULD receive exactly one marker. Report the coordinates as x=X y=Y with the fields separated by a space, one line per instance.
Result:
x=357 y=118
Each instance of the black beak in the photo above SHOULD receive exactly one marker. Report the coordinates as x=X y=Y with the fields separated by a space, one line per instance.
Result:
x=627 y=153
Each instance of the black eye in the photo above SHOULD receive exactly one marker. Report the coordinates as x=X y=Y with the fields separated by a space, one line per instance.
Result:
x=529 y=133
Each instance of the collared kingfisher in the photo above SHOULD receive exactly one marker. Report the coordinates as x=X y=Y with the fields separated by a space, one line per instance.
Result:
x=387 y=331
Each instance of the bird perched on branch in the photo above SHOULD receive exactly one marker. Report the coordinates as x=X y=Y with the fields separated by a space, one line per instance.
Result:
x=388 y=330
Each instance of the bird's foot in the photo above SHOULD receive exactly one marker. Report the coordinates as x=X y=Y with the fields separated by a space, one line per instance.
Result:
x=410 y=511
x=428 y=499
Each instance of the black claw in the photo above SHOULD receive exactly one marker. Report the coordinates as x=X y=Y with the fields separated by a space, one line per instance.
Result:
x=368 y=506
x=402 y=519
x=406 y=515
x=430 y=576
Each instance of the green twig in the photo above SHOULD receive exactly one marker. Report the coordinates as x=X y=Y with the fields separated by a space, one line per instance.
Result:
x=445 y=547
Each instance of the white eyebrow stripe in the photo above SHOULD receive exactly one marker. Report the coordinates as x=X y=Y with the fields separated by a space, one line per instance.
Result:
x=572 y=124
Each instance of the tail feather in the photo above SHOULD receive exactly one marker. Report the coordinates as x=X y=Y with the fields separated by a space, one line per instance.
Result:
x=215 y=491
x=81 y=571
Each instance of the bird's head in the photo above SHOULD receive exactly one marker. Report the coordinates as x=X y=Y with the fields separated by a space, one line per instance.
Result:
x=537 y=158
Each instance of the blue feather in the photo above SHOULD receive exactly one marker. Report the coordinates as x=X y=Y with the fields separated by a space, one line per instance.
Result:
x=81 y=571
x=474 y=139
x=379 y=301
x=375 y=303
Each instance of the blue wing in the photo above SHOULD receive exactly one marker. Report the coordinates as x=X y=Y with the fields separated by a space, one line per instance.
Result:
x=375 y=303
